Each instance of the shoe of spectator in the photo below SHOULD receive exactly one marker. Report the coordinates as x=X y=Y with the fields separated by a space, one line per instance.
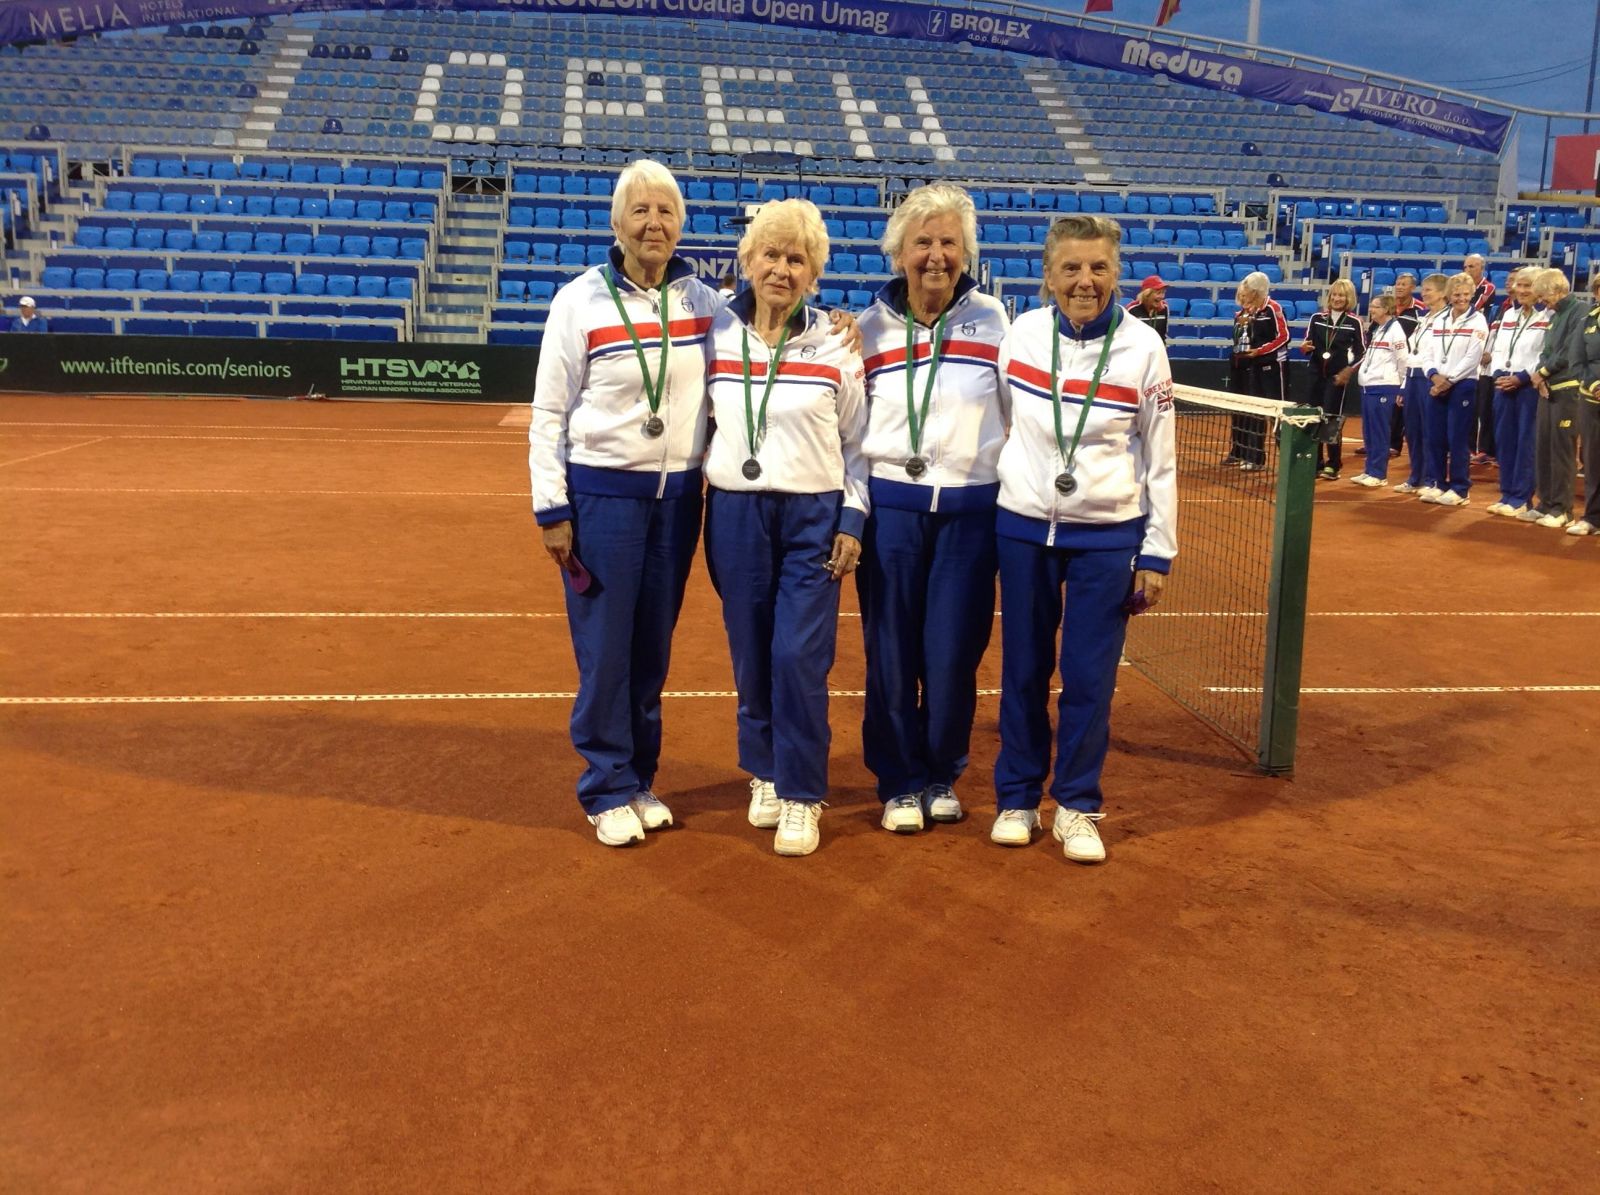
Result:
x=1479 y=458
x=1511 y=512
x=1405 y=487
x=1428 y=493
x=1583 y=527
x=942 y=804
x=1451 y=498
x=1497 y=508
x=650 y=810
x=763 y=812
x=1370 y=482
x=1252 y=467
x=1554 y=521
x=1078 y=836
x=903 y=815
x=1229 y=461
x=1393 y=453
x=799 y=828
x=1328 y=474
x=617 y=827
x=1529 y=514
x=1014 y=827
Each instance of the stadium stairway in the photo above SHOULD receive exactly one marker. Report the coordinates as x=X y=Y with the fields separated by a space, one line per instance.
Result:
x=289 y=55
x=456 y=301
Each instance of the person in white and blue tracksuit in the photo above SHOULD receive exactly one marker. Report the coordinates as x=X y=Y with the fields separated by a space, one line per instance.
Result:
x=927 y=576
x=1514 y=346
x=1382 y=370
x=1086 y=527
x=786 y=505
x=1414 y=391
x=1459 y=337
x=617 y=436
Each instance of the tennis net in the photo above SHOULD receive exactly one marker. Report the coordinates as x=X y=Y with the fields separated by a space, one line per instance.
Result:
x=1225 y=642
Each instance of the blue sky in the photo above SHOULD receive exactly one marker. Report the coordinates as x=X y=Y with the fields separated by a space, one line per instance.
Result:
x=1530 y=52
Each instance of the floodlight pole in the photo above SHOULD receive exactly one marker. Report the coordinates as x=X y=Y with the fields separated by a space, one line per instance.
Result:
x=1252 y=32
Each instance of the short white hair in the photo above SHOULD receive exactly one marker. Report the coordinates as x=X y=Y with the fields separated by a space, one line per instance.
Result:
x=1256 y=283
x=926 y=202
x=643 y=175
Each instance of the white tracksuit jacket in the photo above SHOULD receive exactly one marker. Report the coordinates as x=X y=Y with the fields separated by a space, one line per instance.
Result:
x=816 y=417
x=589 y=404
x=1515 y=343
x=1127 y=493
x=967 y=412
x=1387 y=358
x=1458 y=342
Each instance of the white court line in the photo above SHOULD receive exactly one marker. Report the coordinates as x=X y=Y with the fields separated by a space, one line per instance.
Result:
x=53 y=451
x=68 y=489
x=350 y=698
x=246 y=427
x=1362 y=691
x=112 y=614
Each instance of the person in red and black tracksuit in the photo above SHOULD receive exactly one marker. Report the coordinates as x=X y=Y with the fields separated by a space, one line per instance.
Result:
x=1151 y=305
x=1334 y=343
x=1260 y=351
x=1483 y=302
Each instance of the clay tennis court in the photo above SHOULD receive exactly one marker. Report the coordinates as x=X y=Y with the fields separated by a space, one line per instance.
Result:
x=296 y=894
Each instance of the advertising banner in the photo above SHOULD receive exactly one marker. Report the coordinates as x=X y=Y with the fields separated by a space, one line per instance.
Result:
x=1444 y=120
x=229 y=367
x=1577 y=163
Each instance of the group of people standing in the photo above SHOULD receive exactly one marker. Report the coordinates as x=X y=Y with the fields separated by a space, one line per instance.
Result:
x=1453 y=379
x=928 y=449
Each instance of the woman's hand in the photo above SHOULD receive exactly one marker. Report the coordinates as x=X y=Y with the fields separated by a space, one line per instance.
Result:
x=1151 y=584
x=846 y=553
x=1306 y=346
x=844 y=324
x=558 y=541
x=1343 y=376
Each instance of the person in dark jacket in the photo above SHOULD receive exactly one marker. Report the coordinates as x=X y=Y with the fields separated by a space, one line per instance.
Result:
x=1151 y=305
x=1408 y=309
x=1334 y=343
x=1557 y=380
x=1589 y=417
x=1260 y=350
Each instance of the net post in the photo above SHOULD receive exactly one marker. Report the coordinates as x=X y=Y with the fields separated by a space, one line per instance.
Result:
x=1286 y=589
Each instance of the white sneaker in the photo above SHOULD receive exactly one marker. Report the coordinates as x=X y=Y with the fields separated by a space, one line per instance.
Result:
x=1079 y=839
x=1497 y=508
x=617 y=827
x=942 y=804
x=1583 y=527
x=1511 y=512
x=1405 y=487
x=764 y=811
x=799 y=827
x=1014 y=827
x=1428 y=493
x=1554 y=521
x=1451 y=498
x=1529 y=514
x=652 y=814
x=1369 y=482
x=1359 y=479
x=903 y=815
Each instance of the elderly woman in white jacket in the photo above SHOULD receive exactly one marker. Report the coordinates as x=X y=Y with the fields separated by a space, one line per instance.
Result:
x=1086 y=527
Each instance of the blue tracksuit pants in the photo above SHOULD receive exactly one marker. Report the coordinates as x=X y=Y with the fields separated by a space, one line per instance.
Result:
x=766 y=553
x=1092 y=624
x=638 y=552
x=1377 y=412
x=926 y=584
x=1515 y=414
x=1416 y=408
x=1449 y=427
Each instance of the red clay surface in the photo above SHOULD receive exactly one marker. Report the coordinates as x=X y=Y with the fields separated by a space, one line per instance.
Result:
x=331 y=946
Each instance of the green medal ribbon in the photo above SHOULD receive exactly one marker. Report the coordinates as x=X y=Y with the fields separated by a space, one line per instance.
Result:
x=756 y=425
x=1069 y=452
x=652 y=393
x=915 y=419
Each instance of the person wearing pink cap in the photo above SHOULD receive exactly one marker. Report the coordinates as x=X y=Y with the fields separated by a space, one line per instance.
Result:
x=1151 y=305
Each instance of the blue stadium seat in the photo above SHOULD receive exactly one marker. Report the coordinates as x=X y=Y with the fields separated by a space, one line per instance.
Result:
x=216 y=282
x=341 y=285
x=401 y=287
x=513 y=290
x=844 y=263
x=297 y=244
x=277 y=282
x=179 y=240
x=152 y=280
x=356 y=246
x=325 y=244
x=416 y=248
x=310 y=284
x=269 y=242
x=56 y=277
x=1202 y=309
x=540 y=290
x=89 y=278
x=149 y=239
x=208 y=240
x=314 y=208
x=184 y=280
x=89 y=236
x=371 y=286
